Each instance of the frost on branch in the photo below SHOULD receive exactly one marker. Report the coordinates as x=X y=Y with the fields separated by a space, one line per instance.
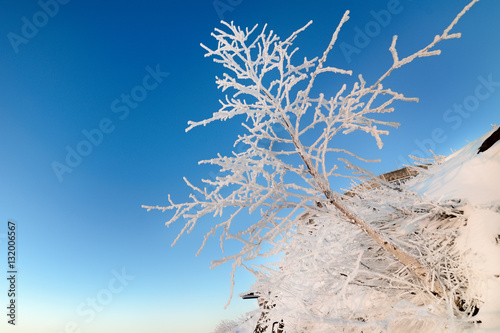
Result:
x=287 y=168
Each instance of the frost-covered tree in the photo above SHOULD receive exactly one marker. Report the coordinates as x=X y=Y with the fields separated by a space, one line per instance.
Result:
x=288 y=167
x=334 y=277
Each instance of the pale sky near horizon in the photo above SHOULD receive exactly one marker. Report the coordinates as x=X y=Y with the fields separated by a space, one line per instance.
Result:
x=89 y=257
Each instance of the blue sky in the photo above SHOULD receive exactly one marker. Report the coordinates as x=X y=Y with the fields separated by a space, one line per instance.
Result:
x=82 y=234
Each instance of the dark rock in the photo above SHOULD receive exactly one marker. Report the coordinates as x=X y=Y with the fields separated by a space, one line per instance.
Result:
x=490 y=141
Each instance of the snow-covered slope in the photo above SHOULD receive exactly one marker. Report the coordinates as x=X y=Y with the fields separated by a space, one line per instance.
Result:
x=474 y=179
x=466 y=175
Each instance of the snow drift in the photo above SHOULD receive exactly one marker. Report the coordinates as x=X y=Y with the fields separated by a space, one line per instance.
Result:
x=474 y=179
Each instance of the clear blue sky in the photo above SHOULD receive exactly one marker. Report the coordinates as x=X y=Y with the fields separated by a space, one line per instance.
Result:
x=79 y=230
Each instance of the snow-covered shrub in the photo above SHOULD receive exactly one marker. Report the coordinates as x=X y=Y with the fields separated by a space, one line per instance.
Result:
x=335 y=277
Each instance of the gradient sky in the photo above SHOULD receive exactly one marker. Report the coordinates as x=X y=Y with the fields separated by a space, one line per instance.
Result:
x=79 y=230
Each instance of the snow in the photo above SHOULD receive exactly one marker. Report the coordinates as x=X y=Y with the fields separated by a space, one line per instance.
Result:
x=466 y=175
x=474 y=179
x=479 y=236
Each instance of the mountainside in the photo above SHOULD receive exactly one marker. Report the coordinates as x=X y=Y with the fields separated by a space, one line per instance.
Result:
x=474 y=179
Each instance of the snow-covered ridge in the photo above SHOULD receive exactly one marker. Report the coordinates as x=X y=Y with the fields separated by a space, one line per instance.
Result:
x=474 y=179
x=465 y=175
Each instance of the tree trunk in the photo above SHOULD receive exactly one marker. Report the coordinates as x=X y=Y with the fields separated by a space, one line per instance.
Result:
x=414 y=265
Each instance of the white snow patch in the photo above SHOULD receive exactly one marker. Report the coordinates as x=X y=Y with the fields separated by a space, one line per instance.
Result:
x=480 y=240
x=475 y=180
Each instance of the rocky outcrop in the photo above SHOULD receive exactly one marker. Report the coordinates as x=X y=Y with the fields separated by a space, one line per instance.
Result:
x=490 y=141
